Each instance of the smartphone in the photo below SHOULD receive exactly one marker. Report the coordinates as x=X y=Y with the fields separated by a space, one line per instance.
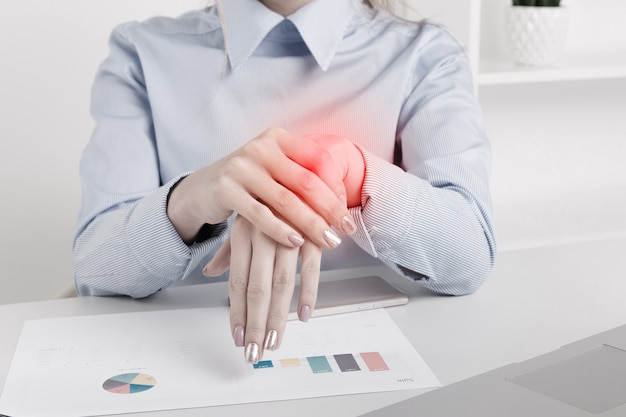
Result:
x=353 y=294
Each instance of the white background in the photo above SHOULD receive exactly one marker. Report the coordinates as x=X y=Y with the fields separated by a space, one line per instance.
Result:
x=559 y=148
x=49 y=53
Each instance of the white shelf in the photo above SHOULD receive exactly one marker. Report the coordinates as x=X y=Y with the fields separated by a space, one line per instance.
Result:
x=595 y=48
x=570 y=67
x=557 y=131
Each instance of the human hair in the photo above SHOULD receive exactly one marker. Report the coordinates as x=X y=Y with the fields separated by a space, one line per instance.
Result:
x=388 y=5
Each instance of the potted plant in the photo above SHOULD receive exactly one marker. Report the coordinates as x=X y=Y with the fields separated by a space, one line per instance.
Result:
x=537 y=30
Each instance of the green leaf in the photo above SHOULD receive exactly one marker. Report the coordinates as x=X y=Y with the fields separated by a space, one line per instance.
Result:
x=547 y=3
x=537 y=3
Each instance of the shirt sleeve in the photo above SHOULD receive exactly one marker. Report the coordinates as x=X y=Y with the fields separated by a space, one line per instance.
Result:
x=428 y=217
x=125 y=243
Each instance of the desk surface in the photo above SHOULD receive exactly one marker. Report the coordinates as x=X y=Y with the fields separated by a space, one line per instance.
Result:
x=535 y=301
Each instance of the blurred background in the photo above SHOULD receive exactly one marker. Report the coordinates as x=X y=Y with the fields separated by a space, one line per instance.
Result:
x=558 y=131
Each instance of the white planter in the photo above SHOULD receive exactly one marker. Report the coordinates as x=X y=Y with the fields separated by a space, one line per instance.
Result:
x=536 y=34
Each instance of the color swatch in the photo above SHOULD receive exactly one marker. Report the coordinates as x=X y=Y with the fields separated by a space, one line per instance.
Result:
x=319 y=364
x=346 y=362
x=289 y=363
x=374 y=361
x=263 y=364
x=131 y=383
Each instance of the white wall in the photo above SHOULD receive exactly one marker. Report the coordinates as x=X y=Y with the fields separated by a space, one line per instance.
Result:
x=49 y=52
x=559 y=147
x=559 y=161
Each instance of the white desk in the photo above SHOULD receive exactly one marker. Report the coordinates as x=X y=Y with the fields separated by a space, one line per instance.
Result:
x=535 y=301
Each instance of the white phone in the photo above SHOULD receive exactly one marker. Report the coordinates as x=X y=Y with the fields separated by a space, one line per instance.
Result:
x=353 y=294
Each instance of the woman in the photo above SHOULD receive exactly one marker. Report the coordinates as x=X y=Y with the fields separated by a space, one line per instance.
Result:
x=256 y=132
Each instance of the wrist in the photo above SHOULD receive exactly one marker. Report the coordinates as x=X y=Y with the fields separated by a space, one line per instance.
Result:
x=355 y=176
x=179 y=214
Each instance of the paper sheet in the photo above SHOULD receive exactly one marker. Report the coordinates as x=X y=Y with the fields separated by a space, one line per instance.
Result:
x=148 y=361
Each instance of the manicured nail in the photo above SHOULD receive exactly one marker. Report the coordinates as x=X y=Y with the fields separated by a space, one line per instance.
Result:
x=238 y=334
x=296 y=239
x=331 y=238
x=252 y=353
x=348 y=225
x=271 y=339
x=207 y=270
x=304 y=314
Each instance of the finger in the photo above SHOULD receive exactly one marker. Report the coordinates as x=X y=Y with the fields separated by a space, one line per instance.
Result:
x=309 y=279
x=310 y=188
x=241 y=254
x=287 y=204
x=259 y=294
x=278 y=149
x=349 y=160
x=318 y=179
x=283 y=283
x=310 y=153
x=259 y=214
x=220 y=262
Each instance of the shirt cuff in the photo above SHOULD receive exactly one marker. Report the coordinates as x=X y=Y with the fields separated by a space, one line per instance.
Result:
x=378 y=220
x=157 y=242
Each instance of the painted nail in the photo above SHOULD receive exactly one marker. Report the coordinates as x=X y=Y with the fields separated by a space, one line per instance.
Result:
x=305 y=313
x=207 y=270
x=271 y=339
x=331 y=238
x=238 y=334
x=252 y=353
x=348 y=225
x=296 y=239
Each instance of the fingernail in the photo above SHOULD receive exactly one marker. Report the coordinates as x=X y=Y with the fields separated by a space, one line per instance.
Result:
x=348 y=225
x=331 y=238
x=305 y=313
x=271 y=339
x=343 y=199
x=296 y=239
x=207 y=271
x=238 y=334
x=252 y=353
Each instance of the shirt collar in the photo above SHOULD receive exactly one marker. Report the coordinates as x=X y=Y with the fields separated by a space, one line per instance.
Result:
x=321 y=23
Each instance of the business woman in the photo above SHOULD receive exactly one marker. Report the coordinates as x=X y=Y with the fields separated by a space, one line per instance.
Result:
x=255 y=137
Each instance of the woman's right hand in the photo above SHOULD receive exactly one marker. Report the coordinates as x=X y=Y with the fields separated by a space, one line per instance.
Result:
x=261 y=285
x=261 y=178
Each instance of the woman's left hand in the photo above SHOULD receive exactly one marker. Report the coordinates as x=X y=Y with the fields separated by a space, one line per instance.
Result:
x=261 y=284
x=347 y=160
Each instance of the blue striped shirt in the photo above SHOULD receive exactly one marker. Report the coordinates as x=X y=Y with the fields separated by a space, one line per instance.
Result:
x=168 y=100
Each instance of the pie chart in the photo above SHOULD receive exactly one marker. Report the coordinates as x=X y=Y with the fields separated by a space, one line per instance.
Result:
x=131 y=383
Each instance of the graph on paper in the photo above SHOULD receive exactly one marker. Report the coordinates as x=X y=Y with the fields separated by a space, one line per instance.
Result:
x=163 y=360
